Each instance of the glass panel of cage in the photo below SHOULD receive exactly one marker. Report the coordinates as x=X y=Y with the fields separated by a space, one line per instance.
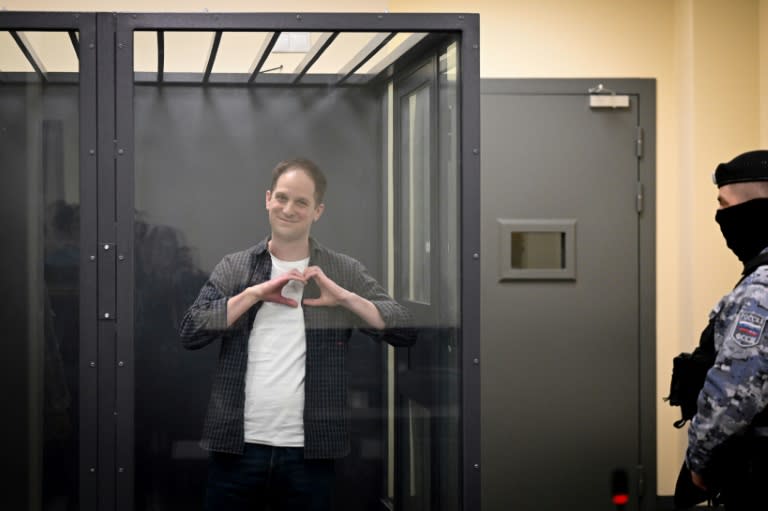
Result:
x=39 y=162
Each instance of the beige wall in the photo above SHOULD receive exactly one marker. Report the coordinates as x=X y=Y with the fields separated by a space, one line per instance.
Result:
x=706 y=58
x=763 y=19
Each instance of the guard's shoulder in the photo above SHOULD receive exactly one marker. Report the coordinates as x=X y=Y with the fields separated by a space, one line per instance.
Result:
x=760 y=275
x=754 y=287
x=747 y=320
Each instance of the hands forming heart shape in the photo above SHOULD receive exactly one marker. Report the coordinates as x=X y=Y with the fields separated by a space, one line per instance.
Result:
x=331 y=294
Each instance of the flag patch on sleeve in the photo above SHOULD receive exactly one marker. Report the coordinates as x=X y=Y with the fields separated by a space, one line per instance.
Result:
x=749 y=326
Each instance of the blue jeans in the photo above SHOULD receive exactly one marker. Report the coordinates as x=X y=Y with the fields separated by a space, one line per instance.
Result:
x=266 y=477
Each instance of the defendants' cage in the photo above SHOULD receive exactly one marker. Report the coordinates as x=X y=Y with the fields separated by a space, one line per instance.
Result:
x=136 y=150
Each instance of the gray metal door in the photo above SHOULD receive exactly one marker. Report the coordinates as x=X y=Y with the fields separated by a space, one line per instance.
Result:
x=561 y=300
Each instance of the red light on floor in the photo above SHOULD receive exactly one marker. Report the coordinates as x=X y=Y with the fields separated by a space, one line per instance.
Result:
x=620 y=499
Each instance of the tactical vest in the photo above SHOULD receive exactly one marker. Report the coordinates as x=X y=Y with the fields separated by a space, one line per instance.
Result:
x=689 y=370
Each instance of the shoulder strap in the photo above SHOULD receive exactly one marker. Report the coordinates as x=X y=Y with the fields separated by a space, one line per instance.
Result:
x=707 y=341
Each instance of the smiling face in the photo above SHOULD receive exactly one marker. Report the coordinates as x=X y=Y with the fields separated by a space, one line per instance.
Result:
x=292 y=206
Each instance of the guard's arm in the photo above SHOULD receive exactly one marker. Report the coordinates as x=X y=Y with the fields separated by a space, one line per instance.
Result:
x=733 y=391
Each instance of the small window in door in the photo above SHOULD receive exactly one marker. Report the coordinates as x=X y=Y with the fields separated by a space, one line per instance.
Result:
x=537 y=249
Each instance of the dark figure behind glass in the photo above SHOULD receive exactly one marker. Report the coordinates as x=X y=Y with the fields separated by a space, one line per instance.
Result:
x=62 y=334
x=169 y=390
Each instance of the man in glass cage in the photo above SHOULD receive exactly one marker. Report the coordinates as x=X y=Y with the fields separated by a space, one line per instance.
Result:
x=283 y=312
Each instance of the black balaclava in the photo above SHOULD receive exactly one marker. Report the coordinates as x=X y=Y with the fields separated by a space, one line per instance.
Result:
x=744 y=226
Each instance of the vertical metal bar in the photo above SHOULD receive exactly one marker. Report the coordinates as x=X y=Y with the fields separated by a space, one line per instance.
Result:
x=124 y=193
x=469 y=87
x=263 y=54
x=105 y=249
x=88 y=370
x=30 y=55
x=212 y=56
x=75 y=42
x=160 y=54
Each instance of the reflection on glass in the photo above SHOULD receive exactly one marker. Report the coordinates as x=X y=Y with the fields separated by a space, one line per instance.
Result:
x=171 y=390
x=62 y=330
x=40 y=236
x=424 y=471
x=415 y=194
x=167 y=423
x=448 y=474
x=537 y=250
x=419 y=458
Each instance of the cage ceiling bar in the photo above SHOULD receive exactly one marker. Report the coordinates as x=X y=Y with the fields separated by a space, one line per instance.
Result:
x=320 y=46
x=29 y=53
x=160 y=54
x=364 y=55
x=212 y=55
x=263 y=54
x=75 y=42
x=398 y=52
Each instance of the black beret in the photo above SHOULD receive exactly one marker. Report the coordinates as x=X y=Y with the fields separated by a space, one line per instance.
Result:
x=751 y=166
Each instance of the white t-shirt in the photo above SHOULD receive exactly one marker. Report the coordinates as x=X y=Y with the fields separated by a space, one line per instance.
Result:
x=274 y=379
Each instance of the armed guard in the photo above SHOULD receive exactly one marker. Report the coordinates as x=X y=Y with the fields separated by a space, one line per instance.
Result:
x=728 y=436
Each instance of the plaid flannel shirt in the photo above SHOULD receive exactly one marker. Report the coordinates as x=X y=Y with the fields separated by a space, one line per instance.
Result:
x=328 y=329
